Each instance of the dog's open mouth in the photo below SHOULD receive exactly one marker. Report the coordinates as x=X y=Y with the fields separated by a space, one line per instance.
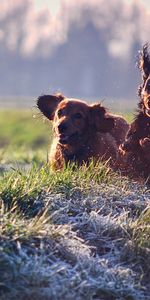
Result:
x=67 y=139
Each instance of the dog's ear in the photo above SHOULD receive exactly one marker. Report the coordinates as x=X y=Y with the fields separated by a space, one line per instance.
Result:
x=101 y=121
x=144 y=61
x=47 y=104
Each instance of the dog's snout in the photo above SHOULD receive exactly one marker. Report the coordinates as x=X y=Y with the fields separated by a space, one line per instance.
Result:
x=62 y=127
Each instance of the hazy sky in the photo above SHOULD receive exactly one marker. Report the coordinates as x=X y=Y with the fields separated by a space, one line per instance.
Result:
x=55 y=4
x=41 y=26
x=56 y=31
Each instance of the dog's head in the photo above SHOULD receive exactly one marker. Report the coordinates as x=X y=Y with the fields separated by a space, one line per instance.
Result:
x=144 y=91
x=74 y=120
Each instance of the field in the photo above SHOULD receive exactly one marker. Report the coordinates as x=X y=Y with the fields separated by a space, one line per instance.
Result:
x=74 y=234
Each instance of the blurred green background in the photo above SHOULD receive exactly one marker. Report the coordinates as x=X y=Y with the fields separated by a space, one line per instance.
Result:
x=24 y=136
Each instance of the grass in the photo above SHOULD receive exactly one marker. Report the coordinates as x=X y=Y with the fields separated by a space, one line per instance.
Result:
x=22 y=132
x=27 y=185
x=23 y=127
x=80 y=233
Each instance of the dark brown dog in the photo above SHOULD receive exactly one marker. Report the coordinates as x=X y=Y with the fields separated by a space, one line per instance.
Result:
x=136 y=148
x=81 y=131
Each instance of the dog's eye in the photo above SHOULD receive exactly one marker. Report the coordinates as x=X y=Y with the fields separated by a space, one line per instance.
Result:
x=59 y=113
x=78 y=115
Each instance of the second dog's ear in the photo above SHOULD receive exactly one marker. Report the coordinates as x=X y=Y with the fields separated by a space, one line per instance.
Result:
x=101 y=121
x=47 y=104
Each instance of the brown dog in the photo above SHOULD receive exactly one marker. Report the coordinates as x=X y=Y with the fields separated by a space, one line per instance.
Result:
x=81 y=131
x=136 y=148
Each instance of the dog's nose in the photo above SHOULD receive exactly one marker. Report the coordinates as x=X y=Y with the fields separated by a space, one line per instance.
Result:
x=62 y=127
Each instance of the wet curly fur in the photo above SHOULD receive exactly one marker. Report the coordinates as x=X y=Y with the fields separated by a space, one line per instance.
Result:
x=136 y=148
x=81 y=131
